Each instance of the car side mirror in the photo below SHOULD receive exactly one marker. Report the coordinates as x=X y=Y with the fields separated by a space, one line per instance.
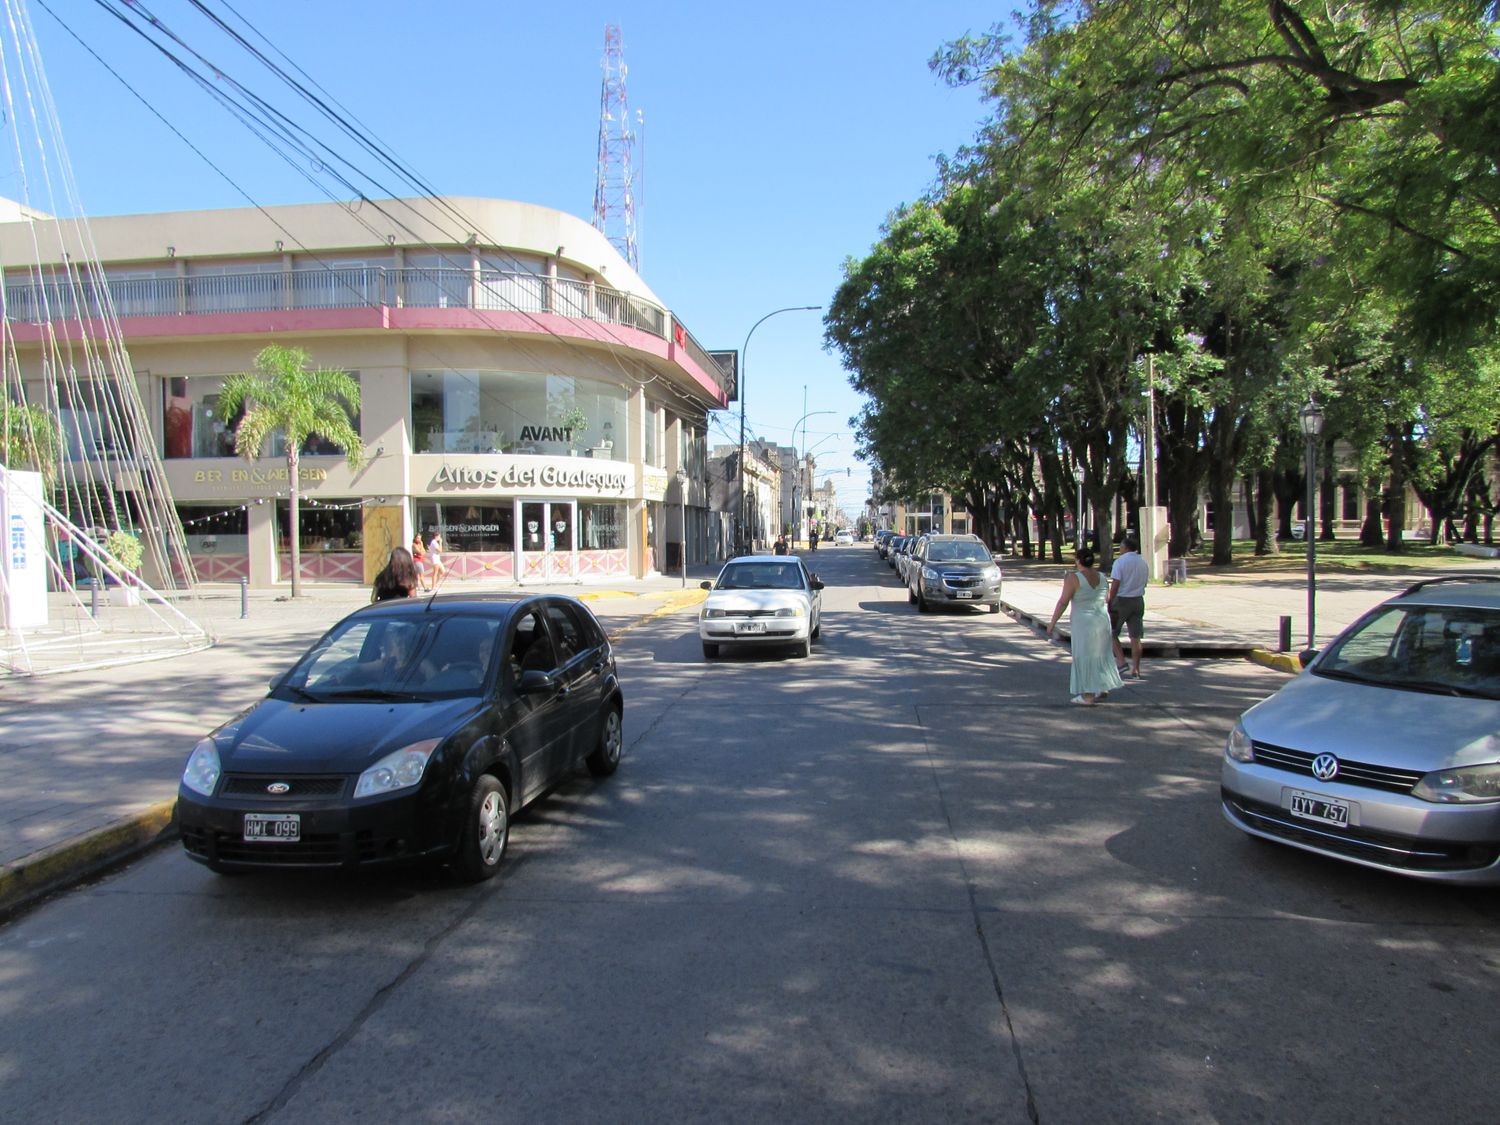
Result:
x=1307 y=656
x=815 y=582
x=534 y=681
x=705 y=585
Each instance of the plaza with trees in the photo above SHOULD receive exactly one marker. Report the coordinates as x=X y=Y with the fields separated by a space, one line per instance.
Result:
x=1238 y=207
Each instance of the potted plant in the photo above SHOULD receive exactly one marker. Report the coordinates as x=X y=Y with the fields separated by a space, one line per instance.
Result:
x=574 y=421
x=126 y=552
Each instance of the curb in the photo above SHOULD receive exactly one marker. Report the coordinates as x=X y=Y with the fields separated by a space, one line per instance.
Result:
x=1281 y=661
x=61 y=865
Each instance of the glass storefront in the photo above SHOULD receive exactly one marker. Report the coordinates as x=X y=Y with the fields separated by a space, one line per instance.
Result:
x=510 y=412
x=195 y=426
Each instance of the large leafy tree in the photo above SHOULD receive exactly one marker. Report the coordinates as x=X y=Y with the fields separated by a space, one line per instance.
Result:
x=284 y=395
x=30 y=438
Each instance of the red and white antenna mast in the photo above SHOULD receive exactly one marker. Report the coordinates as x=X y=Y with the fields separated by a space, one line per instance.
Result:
x=615 y=192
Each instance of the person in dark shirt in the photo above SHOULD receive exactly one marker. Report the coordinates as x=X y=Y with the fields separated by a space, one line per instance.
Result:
x=397 y=579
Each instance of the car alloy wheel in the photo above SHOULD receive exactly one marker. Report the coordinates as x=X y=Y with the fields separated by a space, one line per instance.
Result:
x=606 y=756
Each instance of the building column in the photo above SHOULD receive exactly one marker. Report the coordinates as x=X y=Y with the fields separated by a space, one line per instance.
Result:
x=260 y=545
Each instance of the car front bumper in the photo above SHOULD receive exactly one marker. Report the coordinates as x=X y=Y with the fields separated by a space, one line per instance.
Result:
x=1387 y=831
x=983 y=592
x=333 y=833
x=773 y=631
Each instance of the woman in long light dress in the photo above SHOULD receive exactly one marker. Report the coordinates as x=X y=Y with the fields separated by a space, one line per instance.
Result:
x=1094 y=673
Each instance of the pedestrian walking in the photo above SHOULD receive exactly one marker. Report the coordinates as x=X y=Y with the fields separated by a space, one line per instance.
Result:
x=397 y=579
x=435 y=559
x=780 y=548
x=1093 y=674
x=1127 y=602
x=419 y=558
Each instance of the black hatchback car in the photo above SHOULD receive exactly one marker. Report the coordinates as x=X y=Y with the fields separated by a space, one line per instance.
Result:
x=412 y=729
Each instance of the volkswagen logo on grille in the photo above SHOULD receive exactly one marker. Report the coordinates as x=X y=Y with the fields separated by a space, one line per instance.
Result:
x=278 y=788
x=1325 y=767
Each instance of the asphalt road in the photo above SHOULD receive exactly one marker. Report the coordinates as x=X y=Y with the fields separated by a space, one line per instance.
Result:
x=901 y=880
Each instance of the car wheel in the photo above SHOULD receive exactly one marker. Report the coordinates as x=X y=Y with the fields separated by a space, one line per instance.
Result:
x=994 y=607
x=817 y=630
x=606 y=756
x=486 y=831
x=911 y=595
x=804 y=647
x=922 y=604
x=710 y=650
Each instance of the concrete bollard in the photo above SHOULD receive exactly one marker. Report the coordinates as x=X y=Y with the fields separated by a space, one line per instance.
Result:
x=245 y=599
x=93 y=597
x=1285 y=644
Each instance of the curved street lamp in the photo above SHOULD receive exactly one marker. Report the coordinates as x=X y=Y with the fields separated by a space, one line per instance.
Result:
x=1310 y=418
x=797 y=482
x=739 y=539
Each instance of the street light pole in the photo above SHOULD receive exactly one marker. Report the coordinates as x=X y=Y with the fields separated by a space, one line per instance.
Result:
x=682 y=479
x=1310 y=418
x=740 y=545
x=801 y=456
x=1078 y=512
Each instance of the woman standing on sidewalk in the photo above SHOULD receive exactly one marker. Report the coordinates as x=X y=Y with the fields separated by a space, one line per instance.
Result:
x=1093 y=674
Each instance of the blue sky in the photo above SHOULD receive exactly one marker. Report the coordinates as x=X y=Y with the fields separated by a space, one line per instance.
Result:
x=778 y=137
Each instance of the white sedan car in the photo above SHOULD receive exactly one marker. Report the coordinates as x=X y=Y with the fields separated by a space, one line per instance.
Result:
x=761 y=600
x=843 y=538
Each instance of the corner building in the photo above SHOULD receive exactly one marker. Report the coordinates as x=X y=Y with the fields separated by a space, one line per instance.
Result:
x=523 y=391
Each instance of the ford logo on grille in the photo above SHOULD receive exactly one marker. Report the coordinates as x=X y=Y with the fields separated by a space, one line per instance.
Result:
x=278 y=788
x=1325 y=767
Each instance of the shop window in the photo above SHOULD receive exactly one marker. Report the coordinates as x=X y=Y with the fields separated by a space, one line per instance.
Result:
x=213 y=530
x=507 y=412
x=196 y=427
x=602 y=527
x=469 y=527
x=328 y=526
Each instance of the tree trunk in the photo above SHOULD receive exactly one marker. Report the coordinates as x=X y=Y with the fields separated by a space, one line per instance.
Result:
x=1371 y=532
x=1328 y=494
x=1265 y=500
x=1395 y=497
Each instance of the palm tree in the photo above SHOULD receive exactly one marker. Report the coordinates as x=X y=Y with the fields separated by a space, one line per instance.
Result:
x=282 y=394
x=30 y=438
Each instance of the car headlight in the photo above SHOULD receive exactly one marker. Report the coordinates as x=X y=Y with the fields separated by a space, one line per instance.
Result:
x=791 y=611
x=1460 y=786
x=715 y=613
x=992 y=574
x=930 y=574
x=396 y=771
x=1238 y=745
x=201 y=774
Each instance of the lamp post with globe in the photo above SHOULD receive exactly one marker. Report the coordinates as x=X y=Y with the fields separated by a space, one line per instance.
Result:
x=1310 y=418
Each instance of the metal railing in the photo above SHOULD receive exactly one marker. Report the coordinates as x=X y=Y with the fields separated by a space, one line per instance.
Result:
x=352 y=287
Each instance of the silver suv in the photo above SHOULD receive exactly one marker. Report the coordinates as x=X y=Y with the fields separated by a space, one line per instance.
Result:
x=953 y=570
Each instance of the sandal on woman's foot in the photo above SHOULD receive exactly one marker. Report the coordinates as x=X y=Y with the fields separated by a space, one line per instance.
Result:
x=1082 y=702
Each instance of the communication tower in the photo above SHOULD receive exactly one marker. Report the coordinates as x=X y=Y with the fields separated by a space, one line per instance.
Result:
x=615 y=188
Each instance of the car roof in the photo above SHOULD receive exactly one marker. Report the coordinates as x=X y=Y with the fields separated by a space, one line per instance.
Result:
x=498 y=604
x=953 y=537
x=1474 y=591
x=783 y=559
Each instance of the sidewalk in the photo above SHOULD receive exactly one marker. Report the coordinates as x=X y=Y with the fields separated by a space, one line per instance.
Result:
x=92 y=758
x=1226 y=615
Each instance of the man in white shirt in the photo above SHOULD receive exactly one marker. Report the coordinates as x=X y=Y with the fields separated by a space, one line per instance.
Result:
x=1127 y=600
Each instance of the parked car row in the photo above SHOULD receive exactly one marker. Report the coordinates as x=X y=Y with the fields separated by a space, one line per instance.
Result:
x=942 y=569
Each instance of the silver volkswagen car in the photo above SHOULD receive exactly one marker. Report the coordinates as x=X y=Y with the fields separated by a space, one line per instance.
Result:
x=1385 y=751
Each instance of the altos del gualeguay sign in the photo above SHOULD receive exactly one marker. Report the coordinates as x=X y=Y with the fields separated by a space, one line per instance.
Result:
x=514 y=475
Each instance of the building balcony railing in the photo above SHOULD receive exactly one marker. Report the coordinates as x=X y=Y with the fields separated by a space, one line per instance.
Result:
x=347 y=287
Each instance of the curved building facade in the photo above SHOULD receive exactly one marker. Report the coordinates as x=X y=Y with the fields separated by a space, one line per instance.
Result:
x=523 y=392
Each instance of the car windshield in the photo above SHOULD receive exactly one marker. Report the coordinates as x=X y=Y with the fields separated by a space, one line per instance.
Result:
x=957 y=552
x=761 y=576
x=424 y=656
x=1449 y=650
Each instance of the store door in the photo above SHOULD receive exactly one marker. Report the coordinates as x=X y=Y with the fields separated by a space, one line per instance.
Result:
x=547 y=543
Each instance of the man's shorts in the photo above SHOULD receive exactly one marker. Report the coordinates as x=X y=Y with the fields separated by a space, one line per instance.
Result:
x=1130 y=613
